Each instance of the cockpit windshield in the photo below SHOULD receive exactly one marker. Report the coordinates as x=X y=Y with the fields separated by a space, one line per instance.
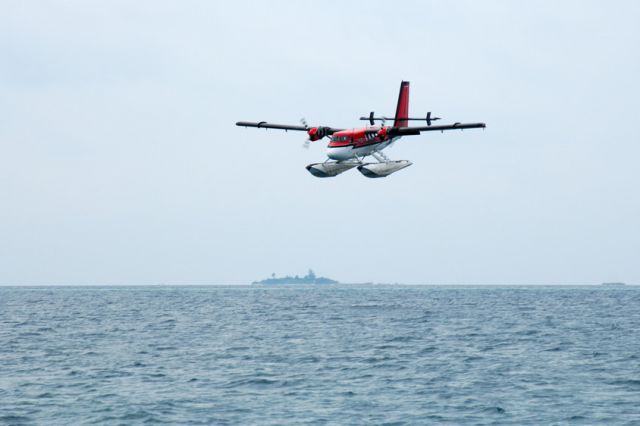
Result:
x=337 y=138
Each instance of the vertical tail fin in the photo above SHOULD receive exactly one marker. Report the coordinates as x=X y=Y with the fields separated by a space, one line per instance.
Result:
x=402 y=110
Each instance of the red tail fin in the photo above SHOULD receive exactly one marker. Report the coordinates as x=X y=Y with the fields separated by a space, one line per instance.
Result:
x=402 y=110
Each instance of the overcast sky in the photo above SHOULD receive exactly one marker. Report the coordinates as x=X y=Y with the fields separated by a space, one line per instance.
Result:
x=120 y=162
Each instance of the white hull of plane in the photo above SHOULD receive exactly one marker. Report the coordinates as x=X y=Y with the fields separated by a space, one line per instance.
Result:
x=349 y=152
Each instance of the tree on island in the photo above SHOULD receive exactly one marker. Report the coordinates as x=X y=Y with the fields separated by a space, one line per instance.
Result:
x=310 y=278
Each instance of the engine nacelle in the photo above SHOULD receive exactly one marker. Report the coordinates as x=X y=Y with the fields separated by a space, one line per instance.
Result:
x=329 y=168
x=313 y=134
x=378 y=170
x=317 y=133
x=382 y=133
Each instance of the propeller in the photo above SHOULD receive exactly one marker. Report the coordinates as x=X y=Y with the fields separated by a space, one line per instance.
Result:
x=314 y=133
x=307 y=141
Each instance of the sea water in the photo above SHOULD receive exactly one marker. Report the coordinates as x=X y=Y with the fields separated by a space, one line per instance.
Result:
x=320 y=355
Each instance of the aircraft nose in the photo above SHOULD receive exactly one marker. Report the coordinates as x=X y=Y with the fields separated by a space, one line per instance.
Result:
x=334 y=153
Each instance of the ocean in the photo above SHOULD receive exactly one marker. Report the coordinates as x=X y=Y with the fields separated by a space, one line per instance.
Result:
x=320 y=355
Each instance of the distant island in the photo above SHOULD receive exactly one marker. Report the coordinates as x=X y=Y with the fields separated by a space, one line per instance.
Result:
x=310 y=278
x=613 y=284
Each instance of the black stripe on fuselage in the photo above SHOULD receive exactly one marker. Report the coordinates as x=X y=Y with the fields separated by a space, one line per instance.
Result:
x=354 y=146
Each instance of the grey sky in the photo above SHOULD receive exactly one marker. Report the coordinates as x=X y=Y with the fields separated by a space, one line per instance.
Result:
x=121 y=163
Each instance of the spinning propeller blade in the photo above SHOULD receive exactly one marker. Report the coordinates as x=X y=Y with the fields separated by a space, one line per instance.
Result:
x=307 y=141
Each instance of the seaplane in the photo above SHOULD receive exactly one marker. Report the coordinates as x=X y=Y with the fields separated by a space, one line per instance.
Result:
x=349 y=148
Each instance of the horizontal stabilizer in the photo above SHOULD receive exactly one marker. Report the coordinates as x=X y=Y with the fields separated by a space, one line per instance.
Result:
x=372 y=118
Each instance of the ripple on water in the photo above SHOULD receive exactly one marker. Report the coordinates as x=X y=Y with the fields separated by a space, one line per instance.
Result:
x=243 y=355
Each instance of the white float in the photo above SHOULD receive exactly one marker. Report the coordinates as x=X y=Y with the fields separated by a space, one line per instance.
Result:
x=378 y=170
x=330 y=168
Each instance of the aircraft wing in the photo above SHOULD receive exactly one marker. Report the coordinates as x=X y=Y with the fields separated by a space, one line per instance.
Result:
x=264 y=125
x=400 y=131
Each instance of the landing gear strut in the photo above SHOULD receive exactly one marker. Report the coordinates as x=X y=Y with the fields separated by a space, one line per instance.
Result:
x=379 y=155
